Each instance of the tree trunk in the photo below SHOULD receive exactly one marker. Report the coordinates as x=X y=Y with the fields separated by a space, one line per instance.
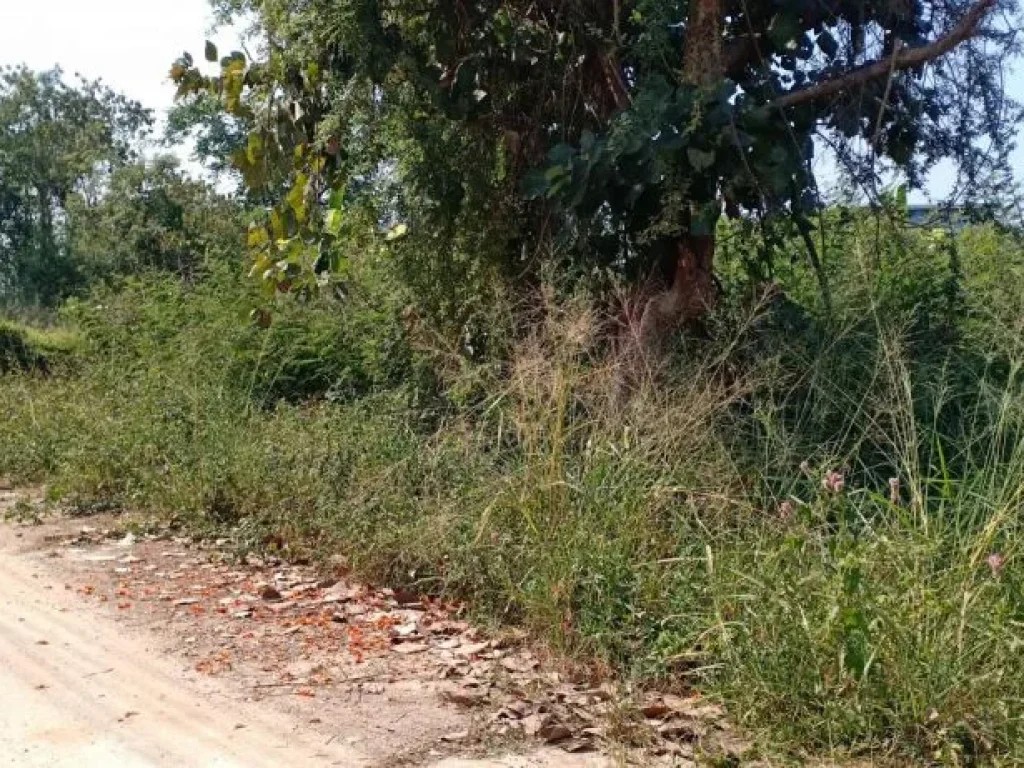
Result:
x=692 y=292
x=691 y=295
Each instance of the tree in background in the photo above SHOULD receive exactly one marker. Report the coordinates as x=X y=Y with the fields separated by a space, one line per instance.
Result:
x=610 y=135
x=56 y=140
x=152 y=217
x=215 y=134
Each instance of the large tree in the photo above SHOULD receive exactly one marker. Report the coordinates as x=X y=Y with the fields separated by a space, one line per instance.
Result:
x=152 y=217
x=55 y=139
x=611 y=134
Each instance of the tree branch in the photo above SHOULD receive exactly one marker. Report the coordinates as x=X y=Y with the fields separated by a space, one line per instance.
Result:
x=703 y=59
x=902 y=58
x=616 y=84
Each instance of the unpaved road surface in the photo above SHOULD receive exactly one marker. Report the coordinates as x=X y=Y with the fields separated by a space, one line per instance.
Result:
x=74 y=691
x=86 y=685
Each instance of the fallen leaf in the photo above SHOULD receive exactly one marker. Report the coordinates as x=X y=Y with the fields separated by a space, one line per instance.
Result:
x=405 y=596
x=472 y=649
x=409 y=648
x=577 y=746
x=553 y=731
x=464 y=696
x=518 y=708
x=687 y=730
x=404 y=630
x=513 y=664
x=269 y=592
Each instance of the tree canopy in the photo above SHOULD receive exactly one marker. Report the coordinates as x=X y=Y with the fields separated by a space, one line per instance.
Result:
x=491 y=137
x=55 y=138
x=80 y=204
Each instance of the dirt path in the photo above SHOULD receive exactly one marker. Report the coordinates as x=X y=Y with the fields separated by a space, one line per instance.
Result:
x=75 y=691
x=124 y=643
x=85 y=684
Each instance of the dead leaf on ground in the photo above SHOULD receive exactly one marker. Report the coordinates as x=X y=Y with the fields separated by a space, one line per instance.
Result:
x=553 y=731
x=269 y=592
x=464 y=696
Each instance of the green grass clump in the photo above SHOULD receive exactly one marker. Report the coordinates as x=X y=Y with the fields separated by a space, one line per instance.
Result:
x=35 y=350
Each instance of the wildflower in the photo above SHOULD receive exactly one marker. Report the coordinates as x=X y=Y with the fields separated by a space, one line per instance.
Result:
x=833 y=482
x=996 y=562
x=894 y=491
x=805 y=467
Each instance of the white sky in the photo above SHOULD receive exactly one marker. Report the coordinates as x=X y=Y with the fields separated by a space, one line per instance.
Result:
x=130 y=44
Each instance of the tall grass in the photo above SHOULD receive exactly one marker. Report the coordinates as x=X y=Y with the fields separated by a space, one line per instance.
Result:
x=816 y=521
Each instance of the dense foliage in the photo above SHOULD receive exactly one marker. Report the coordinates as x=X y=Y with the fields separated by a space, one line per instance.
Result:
x=801 y=518
x=79 y=204
x=54 y=137
x=629 y=125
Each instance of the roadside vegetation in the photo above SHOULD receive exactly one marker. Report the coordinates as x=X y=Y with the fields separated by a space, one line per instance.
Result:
x=805 y=501
x=818 y=521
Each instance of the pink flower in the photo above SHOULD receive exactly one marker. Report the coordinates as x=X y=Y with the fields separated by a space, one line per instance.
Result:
x=833 y=482
x=787 y=509
x=996 y=562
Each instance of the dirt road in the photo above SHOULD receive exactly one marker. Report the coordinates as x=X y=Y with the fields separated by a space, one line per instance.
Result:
x=80 y=688
x=74 y=691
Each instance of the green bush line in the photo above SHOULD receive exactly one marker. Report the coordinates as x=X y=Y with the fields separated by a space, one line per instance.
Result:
x=815 y=519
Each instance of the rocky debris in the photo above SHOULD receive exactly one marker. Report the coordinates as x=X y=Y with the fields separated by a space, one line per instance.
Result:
x=465 y=695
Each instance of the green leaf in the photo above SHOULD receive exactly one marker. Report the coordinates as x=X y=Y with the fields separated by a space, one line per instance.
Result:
x=561 y=154
x=254 y=147
x=258 y=237
x=297 y=196
x=397 y=232
x=336 y=200
x=211 y=51
x=333 y=221
x=554 y=172
x=277 y=225
x=700 y=159
x=828 y=44
x=534 y=184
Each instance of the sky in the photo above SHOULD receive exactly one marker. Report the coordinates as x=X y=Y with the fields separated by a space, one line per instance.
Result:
x=130 y=44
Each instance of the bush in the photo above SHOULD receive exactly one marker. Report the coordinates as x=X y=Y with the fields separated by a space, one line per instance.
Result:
x=324 y=348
